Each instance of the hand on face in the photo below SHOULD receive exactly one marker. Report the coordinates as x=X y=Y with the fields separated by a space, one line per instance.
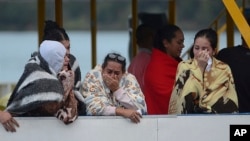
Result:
x=111 y=82
x=202 y=59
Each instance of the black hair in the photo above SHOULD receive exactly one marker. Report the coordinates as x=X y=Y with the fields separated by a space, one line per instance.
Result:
x=52 y=31
x=210 y=34
x=166 y=32
x=143 y=33
x=191 y=52
x=116 y=59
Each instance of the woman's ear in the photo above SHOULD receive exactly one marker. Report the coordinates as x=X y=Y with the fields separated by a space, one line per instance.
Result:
x=165 y=43
x=214 y=52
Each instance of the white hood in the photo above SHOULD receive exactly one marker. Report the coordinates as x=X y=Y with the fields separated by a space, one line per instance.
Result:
x=53 y=53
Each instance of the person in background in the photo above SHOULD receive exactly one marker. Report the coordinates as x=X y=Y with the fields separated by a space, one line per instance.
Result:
x=53 y=32
x=238 y=59
x=144 y=38
x=203 y=84
x=160 y=73
x=39 y=92
x=8 y=122
x=110 y=91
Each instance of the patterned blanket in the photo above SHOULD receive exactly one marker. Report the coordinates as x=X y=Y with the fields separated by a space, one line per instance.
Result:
x=209 y=92
x=37 y=86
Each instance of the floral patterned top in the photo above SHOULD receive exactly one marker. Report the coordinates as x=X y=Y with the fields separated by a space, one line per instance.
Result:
x=100 y=100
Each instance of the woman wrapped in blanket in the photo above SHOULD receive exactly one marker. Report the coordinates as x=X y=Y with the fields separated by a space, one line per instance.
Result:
x=108 y=90
x=39 y=92
x=203 y=84
x=52 y=31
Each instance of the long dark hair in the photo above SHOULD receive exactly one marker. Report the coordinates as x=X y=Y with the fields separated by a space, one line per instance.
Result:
x=210 y=34
x=166 y=32
x=52 y=31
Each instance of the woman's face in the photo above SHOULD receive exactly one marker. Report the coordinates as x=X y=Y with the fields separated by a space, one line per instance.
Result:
x=202 y=44
x=66 y=62
x=66 y=44
x=175 y=46
x=113 y=69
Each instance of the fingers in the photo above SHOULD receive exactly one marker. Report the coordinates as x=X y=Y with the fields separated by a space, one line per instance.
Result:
x=135 y=117
x=10 y=125
x=111 y=83
x=203 y=56
x=15 y=122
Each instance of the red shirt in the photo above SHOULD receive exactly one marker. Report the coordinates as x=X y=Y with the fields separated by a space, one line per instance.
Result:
x=159 y=80
x=139 y=64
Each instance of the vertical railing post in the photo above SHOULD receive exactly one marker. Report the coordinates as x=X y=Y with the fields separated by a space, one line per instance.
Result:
x=93 y=25
x=134 y=26
x=171 y=11
x=40 y=19
x=58 y=12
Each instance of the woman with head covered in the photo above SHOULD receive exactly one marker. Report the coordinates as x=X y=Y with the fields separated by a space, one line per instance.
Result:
x=38 y=91
x=52 y=31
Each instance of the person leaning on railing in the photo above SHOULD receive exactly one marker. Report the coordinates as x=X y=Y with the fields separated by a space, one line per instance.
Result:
x=53 y=32
x=109 y=91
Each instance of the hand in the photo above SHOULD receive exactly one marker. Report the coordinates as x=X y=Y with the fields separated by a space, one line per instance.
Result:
x=112 y=83
x=133 y=115
x=8 y=121
x=202 y=59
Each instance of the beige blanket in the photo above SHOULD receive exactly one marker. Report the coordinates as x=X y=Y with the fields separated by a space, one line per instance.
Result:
x=210 y=92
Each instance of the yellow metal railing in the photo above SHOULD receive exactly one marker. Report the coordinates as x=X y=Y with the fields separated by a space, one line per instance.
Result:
x=226 y=20
x=238 y=18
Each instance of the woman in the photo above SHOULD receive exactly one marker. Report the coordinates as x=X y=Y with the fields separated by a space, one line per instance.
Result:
x=53 y=32
x=39 y=85
x=203 y=84
x=39 y=91
x=108 y=90
x=161 y=70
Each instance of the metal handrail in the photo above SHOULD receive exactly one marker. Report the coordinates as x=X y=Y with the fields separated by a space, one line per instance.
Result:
x=219 y=28
x=215 y=25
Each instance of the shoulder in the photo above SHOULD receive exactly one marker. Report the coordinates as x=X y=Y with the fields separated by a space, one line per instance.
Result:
x=128 y=75
x=96 y=72
x=228 y=50
x=186 y=63
x=73 y=60
x=220 y=64
x=72 y=57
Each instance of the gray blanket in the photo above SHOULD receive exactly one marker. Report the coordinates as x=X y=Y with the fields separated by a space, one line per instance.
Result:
x=36 y=87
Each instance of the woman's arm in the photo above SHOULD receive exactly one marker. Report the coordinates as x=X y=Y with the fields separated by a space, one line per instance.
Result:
x=130 y=94
x=95 y=96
